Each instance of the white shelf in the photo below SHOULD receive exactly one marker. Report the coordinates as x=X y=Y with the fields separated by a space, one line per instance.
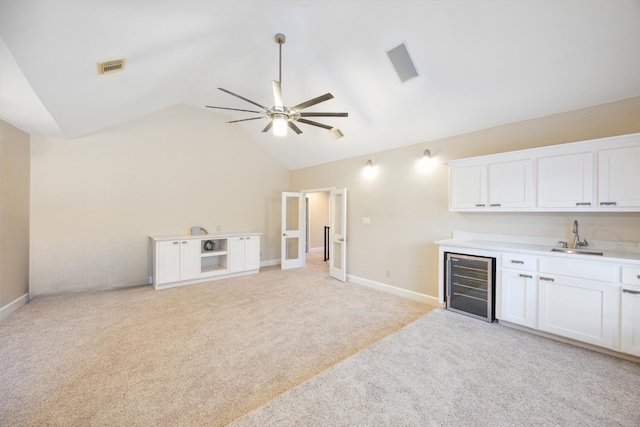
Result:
x=212 y=253
x=213 y=269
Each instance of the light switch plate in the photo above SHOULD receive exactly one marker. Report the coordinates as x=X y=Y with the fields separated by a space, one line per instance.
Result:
x=366 y=220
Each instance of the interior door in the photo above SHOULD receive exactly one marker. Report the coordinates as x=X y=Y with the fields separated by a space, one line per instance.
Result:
x=338 y=240
x=293 y=231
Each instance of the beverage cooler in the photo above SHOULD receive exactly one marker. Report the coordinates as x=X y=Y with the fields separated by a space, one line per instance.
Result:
x=470 y=285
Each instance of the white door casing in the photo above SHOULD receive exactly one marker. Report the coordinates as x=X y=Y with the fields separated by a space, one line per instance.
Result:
x=292 y=243
x=338 y=234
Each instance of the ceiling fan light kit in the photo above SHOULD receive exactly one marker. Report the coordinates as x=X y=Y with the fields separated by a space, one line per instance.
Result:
x=282 y=118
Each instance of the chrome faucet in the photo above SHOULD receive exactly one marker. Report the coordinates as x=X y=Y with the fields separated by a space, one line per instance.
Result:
x=577 y=244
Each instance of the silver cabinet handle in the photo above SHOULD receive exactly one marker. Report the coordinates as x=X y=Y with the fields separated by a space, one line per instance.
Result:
x=629 y=291
x=284 y=234
x=608 y=203
x=546 y=279
x=526 y=276
x=184 y=243
x=583 y=203
x=341 y=240
x=176 y=243
x=495 y=205
x=516 y=261
x=479 y=205
x=247 y=238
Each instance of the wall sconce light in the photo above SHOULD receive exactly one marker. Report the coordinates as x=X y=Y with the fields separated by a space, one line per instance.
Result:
x=425 y=163
x=369 y=170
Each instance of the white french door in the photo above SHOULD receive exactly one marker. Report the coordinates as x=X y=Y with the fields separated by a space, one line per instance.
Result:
x=338 y=234
x=293 y=231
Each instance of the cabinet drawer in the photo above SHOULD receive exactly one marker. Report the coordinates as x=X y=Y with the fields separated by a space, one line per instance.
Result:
x=578 y=269
x=520 y=261
x=631 y=276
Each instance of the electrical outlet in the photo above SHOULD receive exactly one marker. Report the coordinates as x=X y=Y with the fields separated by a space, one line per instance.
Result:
x=388 y=274
x=217 y=228
x=366 y=220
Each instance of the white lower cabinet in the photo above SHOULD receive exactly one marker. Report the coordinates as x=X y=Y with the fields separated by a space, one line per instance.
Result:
x=183 y=261
x=244 y=253
x=630 y=317
x=177 y=260
x=520 y=297
x=580 y=309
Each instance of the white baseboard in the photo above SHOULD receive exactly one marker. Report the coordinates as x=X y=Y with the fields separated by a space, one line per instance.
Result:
x=320 y=249
x=14 y=305
x=269 y=263
x=394 y=290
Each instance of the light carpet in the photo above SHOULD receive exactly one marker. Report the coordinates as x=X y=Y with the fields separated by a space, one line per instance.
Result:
x=446 y=369
x=199 y=355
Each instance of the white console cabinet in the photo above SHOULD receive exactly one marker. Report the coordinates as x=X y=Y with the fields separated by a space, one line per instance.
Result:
x=184 y=260
x=177 y=260
x=244 y=253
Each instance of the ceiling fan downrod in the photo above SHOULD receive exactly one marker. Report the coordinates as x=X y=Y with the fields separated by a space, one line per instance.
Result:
x=280 y=39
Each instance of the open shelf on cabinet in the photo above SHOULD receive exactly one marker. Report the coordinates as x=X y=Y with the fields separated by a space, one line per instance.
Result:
x=213 y=253
x=213 y=247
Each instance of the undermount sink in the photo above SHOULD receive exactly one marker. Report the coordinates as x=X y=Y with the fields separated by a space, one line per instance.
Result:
x=576 y=251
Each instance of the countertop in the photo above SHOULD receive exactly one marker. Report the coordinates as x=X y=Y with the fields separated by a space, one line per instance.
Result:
x=623 y=252
x=209 y=236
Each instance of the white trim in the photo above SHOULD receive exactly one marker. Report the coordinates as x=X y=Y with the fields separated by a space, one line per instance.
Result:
x=319 y=190
x=14 y=305
x=269 y=263
x=320 y=249
x=427 y=299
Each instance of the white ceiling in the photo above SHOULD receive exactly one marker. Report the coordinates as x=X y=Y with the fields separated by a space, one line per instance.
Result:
x=481 y=64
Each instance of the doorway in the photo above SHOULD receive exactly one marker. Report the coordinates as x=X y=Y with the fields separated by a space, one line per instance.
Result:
x=298 y=229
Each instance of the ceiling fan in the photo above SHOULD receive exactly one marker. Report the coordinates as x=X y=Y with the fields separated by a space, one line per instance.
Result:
x=281 y=117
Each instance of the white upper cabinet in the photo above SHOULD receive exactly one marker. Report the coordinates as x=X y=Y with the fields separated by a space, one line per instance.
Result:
x=468 y=187
x=511 y=184
x=619 y=177
x=599 y=175
x=565 y=181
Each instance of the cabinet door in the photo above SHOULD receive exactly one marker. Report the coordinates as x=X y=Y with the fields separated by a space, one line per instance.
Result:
x=511 y=184
x=580 y=309
x=618 y=177
x=252 y=253
x=630 y=322
x=520 y=298
x=468 y=187
x=236 y=254
x=189 y=259
x=167 y=268
x=565 y=181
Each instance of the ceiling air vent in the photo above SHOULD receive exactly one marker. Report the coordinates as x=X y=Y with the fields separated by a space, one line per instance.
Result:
x=402 y=62
x=111 y=66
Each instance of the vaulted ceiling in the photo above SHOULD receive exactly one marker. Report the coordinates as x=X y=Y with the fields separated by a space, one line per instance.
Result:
x=480 y=64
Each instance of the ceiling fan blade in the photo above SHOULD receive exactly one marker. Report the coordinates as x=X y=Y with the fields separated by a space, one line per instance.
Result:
x=244 y=120
x=314 y=101
x=266 y=129
x=324 y=114
x=243 y=98
x=295 y=128
x=277 y=93
x=233 y=109
x=309 y=122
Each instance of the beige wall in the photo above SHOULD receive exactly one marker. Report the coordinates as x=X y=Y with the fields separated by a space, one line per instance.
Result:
x=318 y=218
x=408 y=207
x=14 y=214
x=96 y=199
